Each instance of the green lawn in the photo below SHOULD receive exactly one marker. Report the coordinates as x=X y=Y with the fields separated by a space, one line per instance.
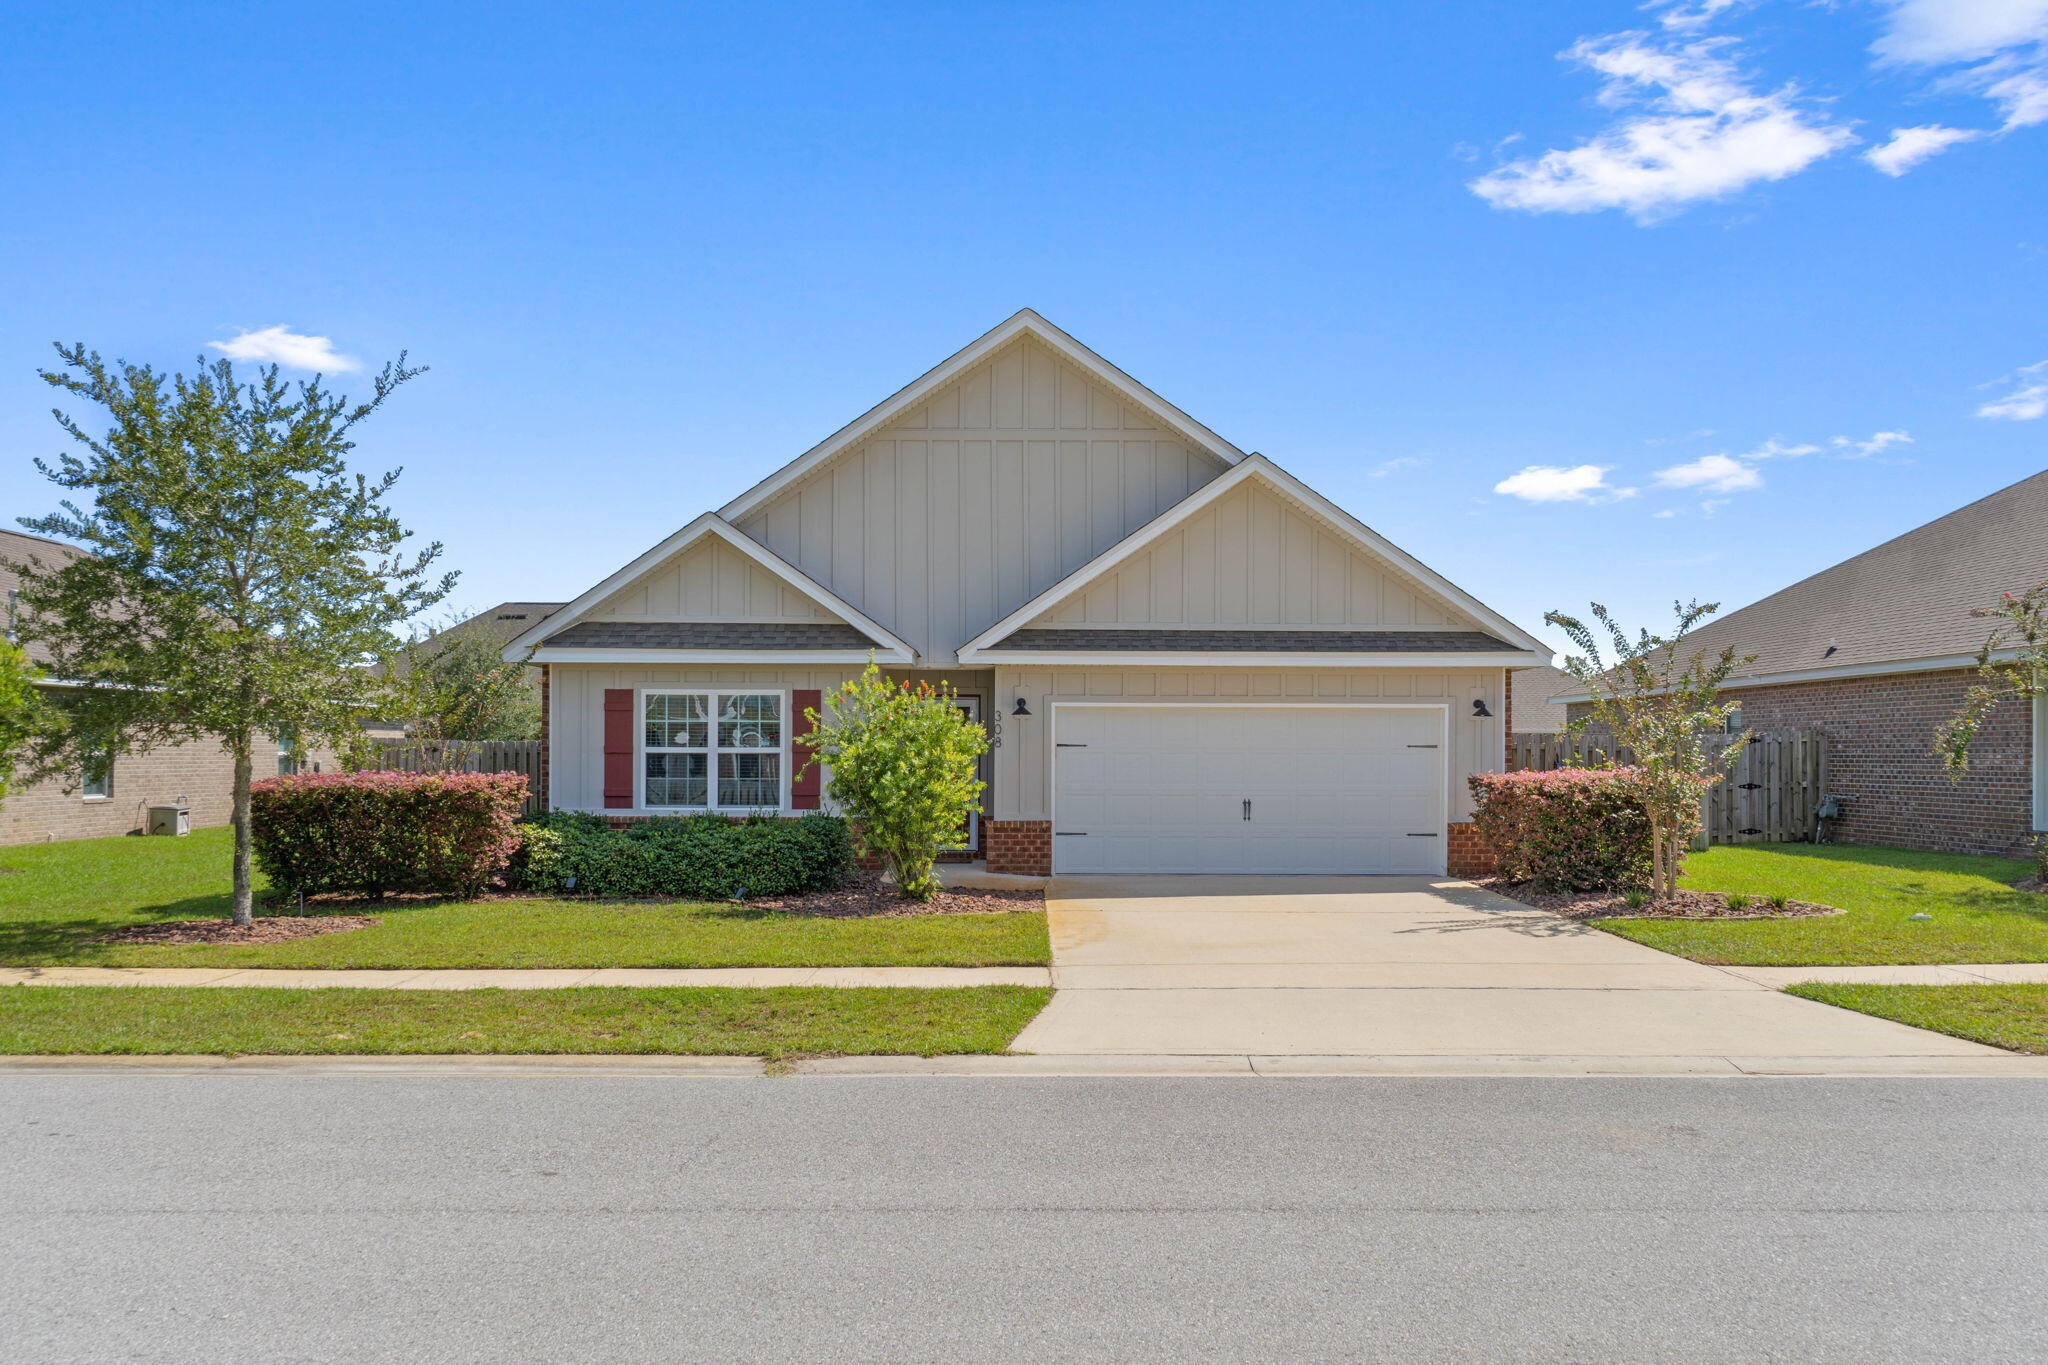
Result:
x=55 y=898
x=709 y=1021
x=2014 y=1016
x=1977 y=917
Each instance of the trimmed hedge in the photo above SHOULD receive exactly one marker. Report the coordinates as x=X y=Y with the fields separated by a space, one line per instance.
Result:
x=702 y=857
x=372 y=833
x=1570 y=829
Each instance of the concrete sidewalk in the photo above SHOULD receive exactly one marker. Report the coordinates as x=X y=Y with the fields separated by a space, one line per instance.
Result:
x=1410 y=967
x=480 y=979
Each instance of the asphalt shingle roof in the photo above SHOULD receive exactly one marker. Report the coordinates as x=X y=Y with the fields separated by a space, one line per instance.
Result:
x=734 y=635
x=1260 y=641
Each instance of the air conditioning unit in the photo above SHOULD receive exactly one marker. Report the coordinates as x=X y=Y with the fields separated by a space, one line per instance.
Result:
x=175 y=819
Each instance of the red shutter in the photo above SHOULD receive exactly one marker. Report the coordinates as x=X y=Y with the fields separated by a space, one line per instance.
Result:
x=809 y=785
x=618 y=747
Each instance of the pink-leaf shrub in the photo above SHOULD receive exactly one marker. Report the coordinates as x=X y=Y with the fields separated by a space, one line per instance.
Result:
x=371 y=833
x=1570 y=829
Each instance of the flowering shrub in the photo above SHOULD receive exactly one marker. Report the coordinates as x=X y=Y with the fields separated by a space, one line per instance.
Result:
x=371 y=833
x=705 y=857
x=1572 y=829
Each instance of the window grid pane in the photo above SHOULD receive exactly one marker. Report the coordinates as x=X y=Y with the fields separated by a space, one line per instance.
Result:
x=753 y=780
x=750 y=721
x=677 y=721
x=675 y=779
x=680 y=741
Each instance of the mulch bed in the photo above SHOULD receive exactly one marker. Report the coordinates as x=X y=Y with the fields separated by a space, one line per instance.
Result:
x=2038 y=885
x=1681 y=905
x=266 y=929
x=867 y=896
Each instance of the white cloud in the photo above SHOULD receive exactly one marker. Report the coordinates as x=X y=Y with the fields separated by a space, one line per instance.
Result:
x=1687 y=16
x=1715 y=473
x=282 y=346
x=1774 y=449
x=1664 y=514
x=1691 y=129
x=2001 y=47
x=2028 y=399
x=1399 y=462
x=1911 y=146
x=1849 y=448
x=1556 y=483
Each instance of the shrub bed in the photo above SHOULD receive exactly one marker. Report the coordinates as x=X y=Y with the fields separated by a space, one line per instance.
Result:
x=374 y=833
x=706 y=857
x=1571 y=829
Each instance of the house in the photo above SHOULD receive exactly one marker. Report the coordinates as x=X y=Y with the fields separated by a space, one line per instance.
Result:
x=1530 y=706
x=115 y=797
x=1187 y=660
x=1879 y=650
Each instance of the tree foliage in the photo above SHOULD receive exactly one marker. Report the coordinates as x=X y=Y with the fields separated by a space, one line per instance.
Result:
x=1658 y=700
x=23 y=713
x=2012 y=663
x=240 y=577
x=452 y=690
x=902 y=759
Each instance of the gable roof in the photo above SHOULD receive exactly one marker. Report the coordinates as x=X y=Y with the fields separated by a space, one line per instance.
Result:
x=1257 y=468
x=1024 y=322
x=888 y=647
x=1901 y=606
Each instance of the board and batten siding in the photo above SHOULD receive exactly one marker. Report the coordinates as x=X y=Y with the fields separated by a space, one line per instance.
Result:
x=710 y=581
x=576 y=712
x=1252 y=559
x=1024 y=760
x=978 y=500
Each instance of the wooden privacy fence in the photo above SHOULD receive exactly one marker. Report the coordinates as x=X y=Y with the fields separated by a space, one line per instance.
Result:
x=469 y=756
x=1768 y=796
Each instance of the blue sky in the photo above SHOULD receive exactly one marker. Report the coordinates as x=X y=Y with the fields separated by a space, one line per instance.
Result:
x=1676 y=260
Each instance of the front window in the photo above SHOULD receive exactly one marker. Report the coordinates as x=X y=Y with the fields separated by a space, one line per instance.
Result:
x=712 y=750
x=287 y=750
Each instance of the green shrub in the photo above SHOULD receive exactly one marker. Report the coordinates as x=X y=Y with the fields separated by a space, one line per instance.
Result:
x=1636 y=897
x=1573 y=829
x=1778 y=900
x=447 y=834
x=1736 y=900
x=700 y=857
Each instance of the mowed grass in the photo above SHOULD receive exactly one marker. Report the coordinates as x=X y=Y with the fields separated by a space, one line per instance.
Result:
x=2014 y=1017
x=701 y=1021
x=56 y=898
x=1976 y=915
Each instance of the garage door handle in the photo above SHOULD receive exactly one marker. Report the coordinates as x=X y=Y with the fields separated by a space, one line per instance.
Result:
x=1247 y=808
x=1422 y=746
x=1069 y=746
x=1425 y=835
x=1070 y=834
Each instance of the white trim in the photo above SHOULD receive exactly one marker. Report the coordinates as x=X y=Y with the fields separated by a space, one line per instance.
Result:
x=743 y=658
x=1444 y=745
x=2041 y=763
x=1258 y=467
x=1021 y=323
x=1938 y=664
x=710 y=524
x=711 y=750
x=1103 y=658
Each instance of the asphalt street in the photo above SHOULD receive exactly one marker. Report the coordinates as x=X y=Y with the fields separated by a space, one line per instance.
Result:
x=247 y=1218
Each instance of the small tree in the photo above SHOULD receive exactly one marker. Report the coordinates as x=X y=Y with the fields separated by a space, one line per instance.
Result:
x=454 y=690
x=240 y=577
x=902 y=759
x=23 y=715
x=1659 y=701
x=2013 y=663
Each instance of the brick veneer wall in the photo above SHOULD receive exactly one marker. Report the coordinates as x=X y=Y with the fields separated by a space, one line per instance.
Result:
x=201 y=772
x=1466 y=854
x=1022 y=847
x=1882 y=759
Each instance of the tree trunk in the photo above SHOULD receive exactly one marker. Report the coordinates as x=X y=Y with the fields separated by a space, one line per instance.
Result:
x=1660 y=884
x=245 y=896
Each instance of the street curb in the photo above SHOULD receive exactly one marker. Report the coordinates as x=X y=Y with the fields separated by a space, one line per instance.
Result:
x=1024 y=1066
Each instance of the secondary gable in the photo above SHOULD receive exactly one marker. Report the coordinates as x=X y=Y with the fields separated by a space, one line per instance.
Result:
x=983 y=495
x=1253 y=559
x=709 y=581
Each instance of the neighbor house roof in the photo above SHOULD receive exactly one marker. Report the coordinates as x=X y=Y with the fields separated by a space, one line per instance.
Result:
x=20 y=547
x=504 y=622
x=1531 y=690
x=1902 y=606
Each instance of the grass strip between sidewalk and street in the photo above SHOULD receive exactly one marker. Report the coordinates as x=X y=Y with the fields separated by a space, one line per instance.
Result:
x=2012 y=1016
x=768 y=1022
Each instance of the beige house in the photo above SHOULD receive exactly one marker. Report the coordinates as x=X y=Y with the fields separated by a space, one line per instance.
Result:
x=1187 y=659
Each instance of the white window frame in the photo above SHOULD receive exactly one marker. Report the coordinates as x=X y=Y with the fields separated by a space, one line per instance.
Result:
x=711 y=751
x=2041 y=763
x=106 y=780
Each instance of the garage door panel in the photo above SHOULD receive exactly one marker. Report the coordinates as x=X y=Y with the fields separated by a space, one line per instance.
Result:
x=1333 y=789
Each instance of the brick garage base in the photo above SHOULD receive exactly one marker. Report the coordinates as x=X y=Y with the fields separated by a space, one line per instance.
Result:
x=1020 y=847
x=1468 y=854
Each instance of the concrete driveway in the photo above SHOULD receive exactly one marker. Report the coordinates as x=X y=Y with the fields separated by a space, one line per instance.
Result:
x=1402 y=966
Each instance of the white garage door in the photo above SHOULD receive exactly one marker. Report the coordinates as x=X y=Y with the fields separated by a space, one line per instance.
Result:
x=1330 y=789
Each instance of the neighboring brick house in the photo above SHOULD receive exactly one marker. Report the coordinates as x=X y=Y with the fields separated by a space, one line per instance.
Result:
x=116 y=800
x=1879 y=650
